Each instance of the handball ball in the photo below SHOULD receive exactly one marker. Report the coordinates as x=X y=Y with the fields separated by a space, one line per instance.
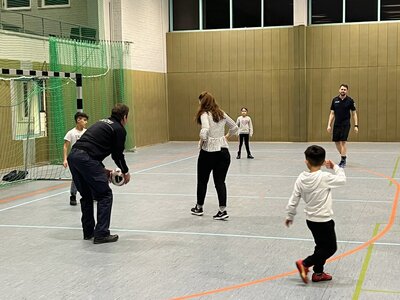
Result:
x=117 y=178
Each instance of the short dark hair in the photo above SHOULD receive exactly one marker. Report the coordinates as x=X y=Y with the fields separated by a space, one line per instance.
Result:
x=80 y=115
x=345 y=85
x=244 y=108
x=315 y=155
x=119 y=111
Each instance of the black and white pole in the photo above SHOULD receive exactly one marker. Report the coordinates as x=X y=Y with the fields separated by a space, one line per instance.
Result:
x=30 y=73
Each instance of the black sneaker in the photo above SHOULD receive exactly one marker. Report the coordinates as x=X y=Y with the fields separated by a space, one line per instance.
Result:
x=106 y=239
x=342 y=164
x=87 y=237
x=72 y=200
x=238 y=156
x=221 y=215
x=197 y=211
x=250 y=156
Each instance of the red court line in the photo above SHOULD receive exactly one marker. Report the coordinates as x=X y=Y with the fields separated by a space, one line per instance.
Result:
x=29 y=194
x=347 y=253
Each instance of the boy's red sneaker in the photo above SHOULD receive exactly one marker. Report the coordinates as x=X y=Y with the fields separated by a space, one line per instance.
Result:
x=303 y=270
x=321 y=277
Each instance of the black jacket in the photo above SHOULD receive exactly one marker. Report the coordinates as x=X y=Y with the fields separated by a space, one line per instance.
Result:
x=103 y=138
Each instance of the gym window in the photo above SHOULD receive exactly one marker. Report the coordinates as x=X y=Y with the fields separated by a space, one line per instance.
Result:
x=216 y=14
x=28 y=109
x=17 y=4
x=390 y=10
x=185 y=14
x=361 y=10
x=55 y=3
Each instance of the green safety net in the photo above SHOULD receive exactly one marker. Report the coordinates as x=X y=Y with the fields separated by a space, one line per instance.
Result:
x=41 y=109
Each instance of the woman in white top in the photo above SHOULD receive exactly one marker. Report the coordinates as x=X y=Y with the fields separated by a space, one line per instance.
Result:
x=214 y=154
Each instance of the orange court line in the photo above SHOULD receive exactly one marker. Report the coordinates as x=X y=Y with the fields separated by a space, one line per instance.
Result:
x=347 y=253
x=33 y=193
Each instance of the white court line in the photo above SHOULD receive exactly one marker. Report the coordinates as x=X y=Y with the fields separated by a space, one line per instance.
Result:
x=192 y=233
x=166 y=164
x=32 y=201
x=260 y=175
x=246 y=197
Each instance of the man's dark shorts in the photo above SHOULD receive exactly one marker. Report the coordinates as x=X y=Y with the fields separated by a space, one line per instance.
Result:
x=340 y=133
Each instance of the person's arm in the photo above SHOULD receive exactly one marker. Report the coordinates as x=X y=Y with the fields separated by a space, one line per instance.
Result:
x=355 y=118
x=293 y=203
x=205 y=126
x=118 y=152
x=66 y=146
x=250 y=127
x=330 y=120
x=233 y=128
x=335 y=180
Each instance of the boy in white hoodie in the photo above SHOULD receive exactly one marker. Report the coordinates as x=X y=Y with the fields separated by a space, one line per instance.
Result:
x=314 y=188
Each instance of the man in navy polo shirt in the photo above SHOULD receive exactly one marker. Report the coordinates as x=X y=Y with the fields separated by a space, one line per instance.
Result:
x=342 y=108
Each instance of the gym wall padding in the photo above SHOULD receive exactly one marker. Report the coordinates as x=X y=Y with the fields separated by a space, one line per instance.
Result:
x=287 y=78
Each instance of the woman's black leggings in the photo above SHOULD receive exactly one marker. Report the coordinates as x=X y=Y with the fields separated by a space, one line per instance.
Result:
x=217 y=162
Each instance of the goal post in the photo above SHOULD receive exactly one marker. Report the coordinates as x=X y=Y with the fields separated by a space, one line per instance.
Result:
x=34 y=123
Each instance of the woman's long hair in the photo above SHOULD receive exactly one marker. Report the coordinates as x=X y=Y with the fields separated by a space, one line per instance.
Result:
x=208 y=104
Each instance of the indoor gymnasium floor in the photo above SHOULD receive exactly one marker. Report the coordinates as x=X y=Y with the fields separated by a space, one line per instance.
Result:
x=166 y=253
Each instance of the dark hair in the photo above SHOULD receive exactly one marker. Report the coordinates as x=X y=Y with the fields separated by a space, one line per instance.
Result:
x=244 y=108
x=80 y=115
x=208 y=104
x=315 y=155
x=345 y=85
x=119 y=111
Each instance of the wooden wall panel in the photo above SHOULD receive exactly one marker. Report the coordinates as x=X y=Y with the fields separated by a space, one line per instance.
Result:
x=184 y=51
x=381 y=100
x=266 y=134
x=383 y=45
x=216 y=51
x=257 y=109
x=248 y=48
x=354 y=40
x=225 y=51
x=233 y=50
x=287 y=78
x=392 y=44
x=149 y=107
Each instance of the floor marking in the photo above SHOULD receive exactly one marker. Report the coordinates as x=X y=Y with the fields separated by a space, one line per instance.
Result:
x=340 y=256
x=364 y=267
x=249 y=175
x=395 y=169
x=166 y=164
x=29 y=194
x=381 y=291
x=201 y=234
x=32 y=201
x=244 y=196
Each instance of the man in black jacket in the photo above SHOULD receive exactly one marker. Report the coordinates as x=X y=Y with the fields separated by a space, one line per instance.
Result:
x=103 y=138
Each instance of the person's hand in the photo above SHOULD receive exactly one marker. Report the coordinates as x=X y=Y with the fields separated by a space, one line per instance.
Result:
x=329 y=164
x=356 y=129
x=227 y=136
x=288 y=222
x=329 y=129
x=65 y=163
x=108 y=174
x=127 y=177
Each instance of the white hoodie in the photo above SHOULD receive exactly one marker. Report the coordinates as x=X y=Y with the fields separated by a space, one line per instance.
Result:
x=315 y=189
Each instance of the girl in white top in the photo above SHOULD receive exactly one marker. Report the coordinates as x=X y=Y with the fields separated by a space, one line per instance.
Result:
x=245 y=131
x=214 y=154
x=70 y=139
